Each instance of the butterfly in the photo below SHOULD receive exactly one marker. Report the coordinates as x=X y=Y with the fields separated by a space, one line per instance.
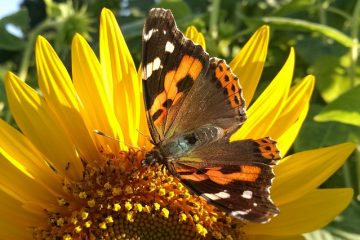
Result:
x=193 y=105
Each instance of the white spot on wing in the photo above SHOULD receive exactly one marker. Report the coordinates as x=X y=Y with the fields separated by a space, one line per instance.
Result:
x=156 y=64
x=143 y=73
x=247 y=194
x=240 y=212
x=150 y=68
x=216 y=196
x=148 y=35
x=223 y=195
x=169 y=47
x=210 y=196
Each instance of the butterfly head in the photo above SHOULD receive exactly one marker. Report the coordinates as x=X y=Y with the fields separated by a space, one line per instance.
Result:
x=152 y=157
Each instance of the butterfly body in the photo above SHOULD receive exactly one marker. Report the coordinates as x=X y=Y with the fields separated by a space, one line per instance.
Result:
x=174 y=148
x=194 y=104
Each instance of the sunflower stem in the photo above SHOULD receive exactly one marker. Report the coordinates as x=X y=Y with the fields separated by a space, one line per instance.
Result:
x=347 y=175
x=354 y=53
x=357 y=164
x=214 y=18
x=354 y=50
x=25 y=61
x=322 y=15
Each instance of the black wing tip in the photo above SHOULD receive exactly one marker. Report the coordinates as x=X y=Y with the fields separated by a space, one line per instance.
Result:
x=160 y=13
x=159 y=18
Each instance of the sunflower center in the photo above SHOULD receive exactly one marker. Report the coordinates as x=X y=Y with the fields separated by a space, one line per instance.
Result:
x=123 y=200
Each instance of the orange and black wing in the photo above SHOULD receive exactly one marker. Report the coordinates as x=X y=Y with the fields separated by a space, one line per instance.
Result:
x=184 y=88
x=233 y=176
x=170 y=66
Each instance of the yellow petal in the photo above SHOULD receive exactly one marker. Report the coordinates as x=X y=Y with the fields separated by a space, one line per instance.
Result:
x=121 y=76
x=298 y=174
x=286 y=139
x=29 y=161
x=264 y=112
x=60 y=95
x=14 y=220
x=293 y=114
x=192 y=33
x=98 y=110
x=12 y=231
x=144 y=133
x=263 y=237
x=249 y=63
x=41 y=127
x=308 y=213
x=20 y=186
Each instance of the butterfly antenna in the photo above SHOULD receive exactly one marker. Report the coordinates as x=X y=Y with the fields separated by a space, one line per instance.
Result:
x=115 y=139
x=146 y=136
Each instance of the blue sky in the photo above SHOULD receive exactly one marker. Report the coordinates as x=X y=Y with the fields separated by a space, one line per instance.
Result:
x=8 y=7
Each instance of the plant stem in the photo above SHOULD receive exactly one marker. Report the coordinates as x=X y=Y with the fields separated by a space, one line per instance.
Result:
x=25 y=61
x=298 y=24
x=322 y=15
x=354 y=50
x=214 y=18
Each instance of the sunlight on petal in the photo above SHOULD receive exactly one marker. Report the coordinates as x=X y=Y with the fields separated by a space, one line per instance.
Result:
x=119 y=69
x=249 y=63
x=301 y=172
x=192 y=33
x=12 y=230
x=308 y=213
x=294 y=112
x=29 y=160
x=13 y=181
x=59 y=92
x=262 y=237
x=264 y=112
x=41 y=127
x=286 y=139
x=98 y=110
x=14 y=218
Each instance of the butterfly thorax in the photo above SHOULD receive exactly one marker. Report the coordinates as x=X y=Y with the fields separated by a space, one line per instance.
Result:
x=181 y=145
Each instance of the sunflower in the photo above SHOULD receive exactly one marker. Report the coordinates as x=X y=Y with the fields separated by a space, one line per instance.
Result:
x=62 y=178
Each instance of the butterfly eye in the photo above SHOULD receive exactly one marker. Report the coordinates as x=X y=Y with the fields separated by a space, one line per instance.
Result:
x=149 y=159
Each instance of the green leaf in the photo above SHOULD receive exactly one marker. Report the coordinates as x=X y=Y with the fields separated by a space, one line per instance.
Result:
x=345 y=109
x=20 y=19
x=331 y=75
x=7 y=40
x=317 y=134
x=299 y=24
x=180 y=9
x=289 y=7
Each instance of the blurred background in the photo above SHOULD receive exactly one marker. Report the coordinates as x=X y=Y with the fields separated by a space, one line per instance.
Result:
x=325 y=34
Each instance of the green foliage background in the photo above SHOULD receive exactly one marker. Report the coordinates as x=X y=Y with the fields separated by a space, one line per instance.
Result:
x=325 y=34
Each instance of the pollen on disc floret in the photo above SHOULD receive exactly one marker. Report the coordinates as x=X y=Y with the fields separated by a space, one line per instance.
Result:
x=118 y=200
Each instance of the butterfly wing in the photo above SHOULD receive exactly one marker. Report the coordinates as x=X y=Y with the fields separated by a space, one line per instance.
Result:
x=170 y=66
x=197 y=100
x=183 y=87
x=235 y=177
